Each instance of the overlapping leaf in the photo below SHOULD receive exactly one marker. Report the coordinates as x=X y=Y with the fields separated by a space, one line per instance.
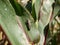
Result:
x=36 y=4
x=45 y=15
x=10 y=25
x=33 y=32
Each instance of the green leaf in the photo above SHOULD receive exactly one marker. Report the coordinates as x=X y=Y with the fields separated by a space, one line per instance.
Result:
x=10 y=25
x=57 y=2
x=21 y=10
x=46 y=11
x=56 y=10
x=37 y=7
x=45 y=15
x=36 y=4
x=33 y=34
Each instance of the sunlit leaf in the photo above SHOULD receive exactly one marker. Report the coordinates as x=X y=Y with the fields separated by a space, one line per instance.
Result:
x=45 y=15
x=36 y=4
x=10 y=25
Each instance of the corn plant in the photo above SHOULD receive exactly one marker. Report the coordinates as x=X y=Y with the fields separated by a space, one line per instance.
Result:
x=29 y=22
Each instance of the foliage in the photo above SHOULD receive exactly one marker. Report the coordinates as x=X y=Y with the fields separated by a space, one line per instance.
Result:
x=31 y=23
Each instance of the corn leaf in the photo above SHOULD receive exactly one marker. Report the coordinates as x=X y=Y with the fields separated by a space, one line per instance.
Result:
x=10 y=25
x=45 y=15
